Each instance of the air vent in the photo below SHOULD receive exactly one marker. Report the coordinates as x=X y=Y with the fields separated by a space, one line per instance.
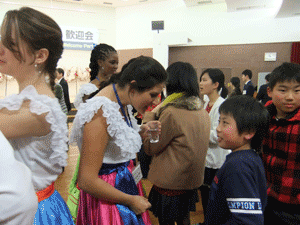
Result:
x=107 y=3
x=250 y=7
x=204 y=2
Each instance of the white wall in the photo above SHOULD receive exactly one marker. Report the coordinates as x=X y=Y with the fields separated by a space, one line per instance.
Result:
x=206 y=25
x=101 y=18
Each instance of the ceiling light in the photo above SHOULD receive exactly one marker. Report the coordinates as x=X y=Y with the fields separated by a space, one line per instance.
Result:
x=204 y=2
x=251 y=7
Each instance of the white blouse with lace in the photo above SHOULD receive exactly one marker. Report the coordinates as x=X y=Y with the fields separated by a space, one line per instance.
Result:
x=45 y=155
x=85 y=89
x=124 y=141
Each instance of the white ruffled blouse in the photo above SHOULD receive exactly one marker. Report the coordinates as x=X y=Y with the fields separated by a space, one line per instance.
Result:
x=46 y=155
x=124 y=141
x=85 y=89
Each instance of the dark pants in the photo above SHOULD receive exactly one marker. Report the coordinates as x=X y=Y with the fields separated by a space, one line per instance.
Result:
x=209 y=175
x=179 y=221
x=282 y=213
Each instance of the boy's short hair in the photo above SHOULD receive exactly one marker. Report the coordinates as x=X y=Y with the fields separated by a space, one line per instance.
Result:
x=61 y=71
x=267 y=77
x=247 y=73
x=285 y=72
x=249 y=115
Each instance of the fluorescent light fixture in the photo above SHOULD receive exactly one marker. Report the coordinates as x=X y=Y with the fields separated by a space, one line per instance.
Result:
x=251 y=7
x=204 y=2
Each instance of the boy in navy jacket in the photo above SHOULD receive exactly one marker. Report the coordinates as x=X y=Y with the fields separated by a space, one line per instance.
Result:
x=239 y=192
x=281 y=147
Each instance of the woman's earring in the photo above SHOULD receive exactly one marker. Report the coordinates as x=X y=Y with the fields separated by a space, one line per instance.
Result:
x=36 y=67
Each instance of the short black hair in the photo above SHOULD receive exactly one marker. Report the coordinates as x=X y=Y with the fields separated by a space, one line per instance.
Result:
x=182 y=77
x=249 y=115
x=247 y=73
x=267 y=77
x=60 y=70
x=285 y=72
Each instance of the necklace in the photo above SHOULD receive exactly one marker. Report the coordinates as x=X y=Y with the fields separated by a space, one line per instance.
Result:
x=128 y=121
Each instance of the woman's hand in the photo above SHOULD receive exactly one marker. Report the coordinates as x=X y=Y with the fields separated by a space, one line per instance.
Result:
x=157 y=108
x=139 y=204
x=150 y=125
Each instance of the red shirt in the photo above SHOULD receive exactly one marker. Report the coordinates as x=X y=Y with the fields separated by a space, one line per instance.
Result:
x=281 y=157
x=208 y=108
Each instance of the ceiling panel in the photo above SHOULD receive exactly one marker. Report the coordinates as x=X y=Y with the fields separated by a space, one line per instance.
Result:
x=286 y=8
x=289 y=8
x=109 y=3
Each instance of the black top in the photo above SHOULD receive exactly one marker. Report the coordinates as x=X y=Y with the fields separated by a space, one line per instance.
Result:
x=65 y=87
x=263 y=94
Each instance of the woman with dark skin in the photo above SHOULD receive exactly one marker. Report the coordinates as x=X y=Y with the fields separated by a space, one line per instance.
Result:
x=103 y=64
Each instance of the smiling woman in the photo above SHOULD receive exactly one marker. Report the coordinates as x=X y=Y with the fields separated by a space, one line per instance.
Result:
x=109 y=138
x=103 y=63
x=33 y=121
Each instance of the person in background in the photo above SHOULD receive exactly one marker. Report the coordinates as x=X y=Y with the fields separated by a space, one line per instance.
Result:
x=239 y=190
x=32 y=121
x=104 y=63
x=248 y=87
x=235 y=85
x=177 y=167
x=281 y=147
x=59 y=94
x=18 y=201
x=211 y=83
x=262 y=94
x=61 y=80
x=109 y=138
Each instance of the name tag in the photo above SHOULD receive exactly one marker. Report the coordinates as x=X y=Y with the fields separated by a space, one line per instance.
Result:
x=244 y=92
x=137 y=174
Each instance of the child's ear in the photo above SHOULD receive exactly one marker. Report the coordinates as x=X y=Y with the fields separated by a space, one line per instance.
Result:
x=248 y=135
x=269 y=92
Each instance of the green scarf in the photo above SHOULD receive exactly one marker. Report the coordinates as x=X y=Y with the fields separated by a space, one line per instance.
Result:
x=180 y=101
x=171 y=98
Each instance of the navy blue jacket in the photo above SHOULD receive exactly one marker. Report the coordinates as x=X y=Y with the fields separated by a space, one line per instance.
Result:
x=239 y=191
x=249 y=88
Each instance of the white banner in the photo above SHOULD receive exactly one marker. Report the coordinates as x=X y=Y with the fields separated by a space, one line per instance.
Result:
x=80 y=38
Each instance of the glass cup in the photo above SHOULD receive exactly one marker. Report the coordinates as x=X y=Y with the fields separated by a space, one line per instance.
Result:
x=154 y=133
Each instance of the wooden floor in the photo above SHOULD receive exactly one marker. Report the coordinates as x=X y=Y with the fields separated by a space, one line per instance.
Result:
x=64 y=179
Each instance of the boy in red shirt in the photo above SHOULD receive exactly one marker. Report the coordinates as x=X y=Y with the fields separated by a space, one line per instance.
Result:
x=281 y=147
